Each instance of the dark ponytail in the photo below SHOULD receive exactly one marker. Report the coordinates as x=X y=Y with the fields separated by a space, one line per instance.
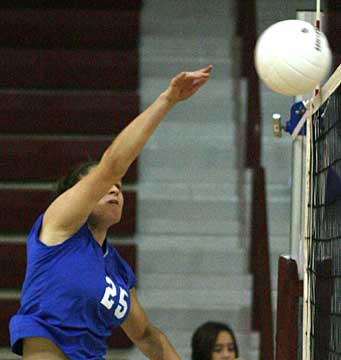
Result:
x=74 y=176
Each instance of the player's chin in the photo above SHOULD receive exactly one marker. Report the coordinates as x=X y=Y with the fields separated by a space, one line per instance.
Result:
x=116 y=218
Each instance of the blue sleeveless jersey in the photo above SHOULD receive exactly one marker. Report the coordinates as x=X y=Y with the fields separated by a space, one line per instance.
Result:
x=73 y=294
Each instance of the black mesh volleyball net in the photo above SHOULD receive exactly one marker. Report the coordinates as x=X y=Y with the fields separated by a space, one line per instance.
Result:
x=323 y=242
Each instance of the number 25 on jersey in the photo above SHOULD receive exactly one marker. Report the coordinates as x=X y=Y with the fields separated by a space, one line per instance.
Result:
x=110 y=293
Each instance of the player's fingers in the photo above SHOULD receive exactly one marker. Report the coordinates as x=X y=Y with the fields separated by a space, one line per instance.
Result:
x=199 y=74
x=203 y=72
x=207 y=69
x=188 y=77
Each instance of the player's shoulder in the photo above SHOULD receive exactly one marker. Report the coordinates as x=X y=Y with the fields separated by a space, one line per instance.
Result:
x=42 y=235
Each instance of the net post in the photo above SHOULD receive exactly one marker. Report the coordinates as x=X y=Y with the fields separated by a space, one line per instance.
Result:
x=297 y=202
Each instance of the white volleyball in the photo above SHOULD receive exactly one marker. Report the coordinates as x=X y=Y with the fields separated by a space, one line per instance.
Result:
x=292 y=57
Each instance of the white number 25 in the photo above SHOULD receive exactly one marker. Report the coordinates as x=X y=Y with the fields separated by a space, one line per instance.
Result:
x=110 y=293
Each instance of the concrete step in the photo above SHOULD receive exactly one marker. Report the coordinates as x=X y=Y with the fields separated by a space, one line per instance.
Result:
x=192 y=133
x=212 y=103
x=186 y=17
x=189 y=319
x=204 y=130
x=203 y=243
x=205 y=263
x=231 y=176
x=167 y=66
x=188 y=46
x=205 y=281
x=201 y=281
x=203 y=215
x=190 y=152
x=165 y=255
x=213 y=167
x=154 y=169
x=213 y=190
x=170 y=197
x=167 y=242
x=192 y=261
x=182 y=227
x=168 y=149
x=158 y=165
x=201 y=299
x=276 y=227
x=189 y=299
x=194 y=281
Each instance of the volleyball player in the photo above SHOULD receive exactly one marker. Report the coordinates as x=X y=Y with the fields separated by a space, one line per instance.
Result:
x=77 y=287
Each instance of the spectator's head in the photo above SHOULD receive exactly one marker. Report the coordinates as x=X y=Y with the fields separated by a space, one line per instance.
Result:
x=214 y=341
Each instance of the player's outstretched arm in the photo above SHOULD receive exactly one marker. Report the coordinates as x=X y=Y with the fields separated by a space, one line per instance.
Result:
x=150 y=340
x=71 y=209
x=130 y=142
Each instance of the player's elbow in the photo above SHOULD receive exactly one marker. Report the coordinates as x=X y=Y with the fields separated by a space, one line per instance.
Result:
x=115 y=165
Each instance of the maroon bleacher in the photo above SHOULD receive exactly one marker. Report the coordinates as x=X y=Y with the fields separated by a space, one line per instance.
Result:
x=68 y=85
x=117 y=5
x=8 y=308
x=66 y=113
x=49 y=159
x=337 y=60
x=334 y=29
x=334 y=24
x=12 y=264
x=20 y=207
x=69 y=69
x=72 y=28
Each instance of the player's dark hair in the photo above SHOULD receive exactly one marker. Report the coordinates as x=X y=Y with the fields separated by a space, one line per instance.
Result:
x=205 y=337
x=74 y=176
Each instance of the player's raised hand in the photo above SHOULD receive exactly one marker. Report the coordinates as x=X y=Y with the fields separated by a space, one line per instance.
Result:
x=186 y=84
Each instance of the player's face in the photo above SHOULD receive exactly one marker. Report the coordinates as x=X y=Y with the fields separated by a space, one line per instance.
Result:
x=109 y=208
x=224 y=348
